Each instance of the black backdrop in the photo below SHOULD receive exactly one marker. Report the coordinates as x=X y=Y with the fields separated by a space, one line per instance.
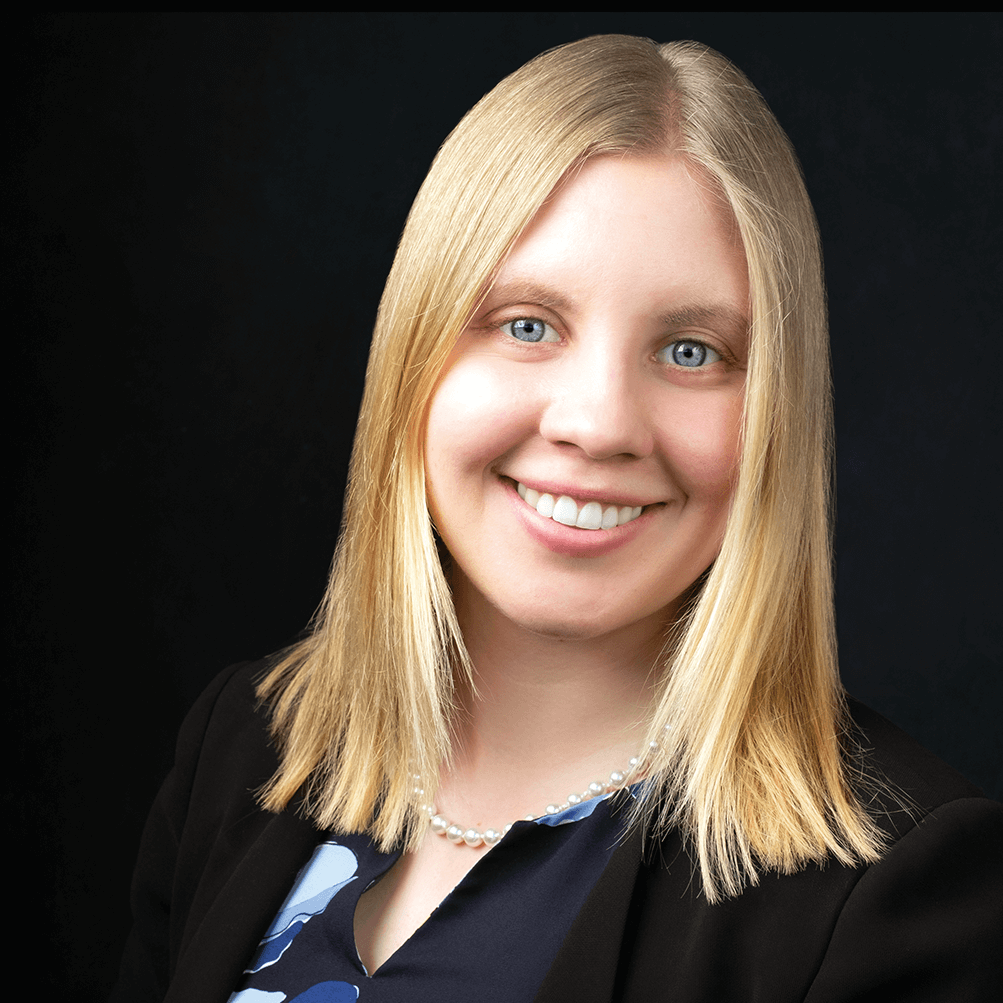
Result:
x=204 y=209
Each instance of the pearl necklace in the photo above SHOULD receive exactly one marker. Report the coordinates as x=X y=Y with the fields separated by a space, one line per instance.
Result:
x=458 y=835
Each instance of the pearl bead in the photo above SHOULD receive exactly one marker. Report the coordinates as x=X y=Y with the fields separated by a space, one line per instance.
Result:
x=472 y=837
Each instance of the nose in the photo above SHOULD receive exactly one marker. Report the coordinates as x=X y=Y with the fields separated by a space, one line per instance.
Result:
x=596 y=403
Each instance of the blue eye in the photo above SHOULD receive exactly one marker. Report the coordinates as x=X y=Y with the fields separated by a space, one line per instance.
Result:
x=691 y=354
x=530 y=329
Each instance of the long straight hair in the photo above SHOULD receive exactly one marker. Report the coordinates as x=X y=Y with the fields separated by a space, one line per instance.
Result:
x=750 y=712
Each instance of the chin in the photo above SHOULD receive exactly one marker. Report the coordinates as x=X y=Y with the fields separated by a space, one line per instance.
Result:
x=586 y=624
x=565 y=630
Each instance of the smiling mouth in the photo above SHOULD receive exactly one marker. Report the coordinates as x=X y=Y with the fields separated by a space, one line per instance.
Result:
x=589 y=515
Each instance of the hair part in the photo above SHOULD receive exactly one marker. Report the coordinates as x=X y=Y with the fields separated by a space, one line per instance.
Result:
x=750 y=713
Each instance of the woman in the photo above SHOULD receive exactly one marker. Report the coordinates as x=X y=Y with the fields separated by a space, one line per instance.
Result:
x=585 y=550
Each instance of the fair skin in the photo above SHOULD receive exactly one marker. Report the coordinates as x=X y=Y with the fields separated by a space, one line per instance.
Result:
x=607 y=365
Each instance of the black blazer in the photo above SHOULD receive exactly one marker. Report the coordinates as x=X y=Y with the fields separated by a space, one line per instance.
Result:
x=925 y=923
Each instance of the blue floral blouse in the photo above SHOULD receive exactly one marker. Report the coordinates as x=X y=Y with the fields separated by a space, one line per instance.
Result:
x=493 y=937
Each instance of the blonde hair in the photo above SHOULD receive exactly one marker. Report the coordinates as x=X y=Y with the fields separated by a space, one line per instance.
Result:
x=750 y=712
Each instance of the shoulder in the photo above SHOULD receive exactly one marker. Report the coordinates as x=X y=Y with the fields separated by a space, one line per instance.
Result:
x=223 y=756
x=224 y=749
x=927 y=917
x=229 y=701
x=229 y=714
x=899 y=781
x=940 y=827
x=212 y=866
x=921 y=923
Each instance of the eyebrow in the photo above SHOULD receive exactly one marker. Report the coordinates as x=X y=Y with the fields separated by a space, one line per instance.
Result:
x=736 y=321
x=526 y=291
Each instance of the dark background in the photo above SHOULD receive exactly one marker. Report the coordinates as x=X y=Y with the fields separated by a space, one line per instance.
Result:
x=204 y=209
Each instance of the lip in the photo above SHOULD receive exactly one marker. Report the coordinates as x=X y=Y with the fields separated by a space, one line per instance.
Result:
x=567 y=540
x=610 y=496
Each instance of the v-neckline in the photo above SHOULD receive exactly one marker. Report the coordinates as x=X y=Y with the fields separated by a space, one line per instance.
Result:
x=519 y=830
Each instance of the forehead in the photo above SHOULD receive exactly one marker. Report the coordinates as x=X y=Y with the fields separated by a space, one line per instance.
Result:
x=648 y=233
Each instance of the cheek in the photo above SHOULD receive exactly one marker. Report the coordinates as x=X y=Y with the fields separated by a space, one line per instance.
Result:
x=702 y=440
x=465 y=393
x=475 y=416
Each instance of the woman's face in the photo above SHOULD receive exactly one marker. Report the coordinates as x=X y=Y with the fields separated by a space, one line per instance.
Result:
x=582 y=442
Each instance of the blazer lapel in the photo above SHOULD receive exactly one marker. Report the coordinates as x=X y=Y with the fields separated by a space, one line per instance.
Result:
x=215 y=957
x=585 y=968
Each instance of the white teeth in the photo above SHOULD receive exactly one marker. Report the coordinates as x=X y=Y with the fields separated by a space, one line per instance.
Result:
x=565 y=510
x=590 y=516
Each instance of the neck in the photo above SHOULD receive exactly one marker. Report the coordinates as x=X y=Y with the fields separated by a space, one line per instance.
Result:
x=545 y=712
